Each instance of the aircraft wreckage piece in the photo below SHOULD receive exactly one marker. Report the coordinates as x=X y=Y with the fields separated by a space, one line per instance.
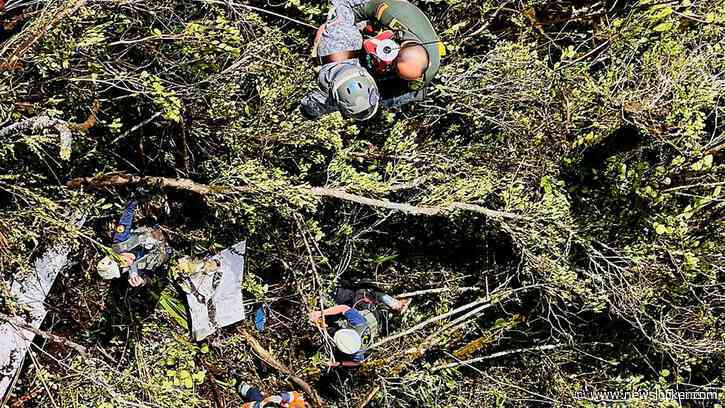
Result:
x=28 y=291
x=214 y=291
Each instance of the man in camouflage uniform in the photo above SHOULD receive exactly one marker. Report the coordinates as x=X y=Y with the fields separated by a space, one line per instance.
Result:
x=137 y=251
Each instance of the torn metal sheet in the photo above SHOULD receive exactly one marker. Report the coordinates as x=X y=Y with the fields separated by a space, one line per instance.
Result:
x=215 y=296
x=29 y=291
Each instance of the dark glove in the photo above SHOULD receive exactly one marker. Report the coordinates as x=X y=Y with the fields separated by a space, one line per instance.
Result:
x=305 y=112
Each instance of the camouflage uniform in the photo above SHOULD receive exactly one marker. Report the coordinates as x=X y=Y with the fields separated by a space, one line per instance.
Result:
x=149 y=252
x=339 y=35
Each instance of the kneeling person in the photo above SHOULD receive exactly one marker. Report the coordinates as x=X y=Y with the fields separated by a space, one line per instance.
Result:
x=358 y=313
x=255 y=399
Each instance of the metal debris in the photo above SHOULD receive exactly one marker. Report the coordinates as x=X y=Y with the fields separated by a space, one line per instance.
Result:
x=215 y=296
x=29 y=291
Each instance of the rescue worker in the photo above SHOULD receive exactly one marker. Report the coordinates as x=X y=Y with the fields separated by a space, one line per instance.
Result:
x=420 y=49
x=255 y=399
x=356 y=321
x=344 y=84
x=137 y=251
x=406 y=56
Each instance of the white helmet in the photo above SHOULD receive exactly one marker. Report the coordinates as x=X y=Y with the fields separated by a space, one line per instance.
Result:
x=348 y=341
x=108 y=268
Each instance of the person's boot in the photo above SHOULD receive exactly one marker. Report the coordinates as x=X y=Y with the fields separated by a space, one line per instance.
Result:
x=249 y=393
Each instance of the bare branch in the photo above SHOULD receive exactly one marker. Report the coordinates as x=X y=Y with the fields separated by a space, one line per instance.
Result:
x=117 y=179
x=272 y=361
x=50 y=336
x=499 y=354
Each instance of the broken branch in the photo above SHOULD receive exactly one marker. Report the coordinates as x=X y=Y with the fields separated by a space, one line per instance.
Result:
x=408 y=208
x=119 y=179
x=267 y=357
x=369 y=397
x=63 y=12
x=50 y=336
x=203 y=189
x=36 y=123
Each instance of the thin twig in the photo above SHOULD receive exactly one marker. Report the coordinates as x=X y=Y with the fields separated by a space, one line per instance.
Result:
x=370 y=397
x=499 y=354
x=50 y=336
x=437 y=290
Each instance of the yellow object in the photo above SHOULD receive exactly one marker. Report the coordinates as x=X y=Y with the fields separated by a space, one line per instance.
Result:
x=397 y=25
x=189 y=266
x=381 y=10
x=210 y=266
x=441 y=49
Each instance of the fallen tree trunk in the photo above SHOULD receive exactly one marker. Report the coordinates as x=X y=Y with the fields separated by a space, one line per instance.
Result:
x=119 y=179
x=268 y=358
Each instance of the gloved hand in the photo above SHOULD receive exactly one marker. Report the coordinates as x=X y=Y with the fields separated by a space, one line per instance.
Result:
x=367 y=28
x=306 y=113
x=135 y=280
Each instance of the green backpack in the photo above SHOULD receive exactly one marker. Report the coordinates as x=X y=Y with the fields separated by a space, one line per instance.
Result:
x=367 y=331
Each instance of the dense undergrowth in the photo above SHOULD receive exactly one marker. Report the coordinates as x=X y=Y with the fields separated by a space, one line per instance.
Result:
x=598 y=126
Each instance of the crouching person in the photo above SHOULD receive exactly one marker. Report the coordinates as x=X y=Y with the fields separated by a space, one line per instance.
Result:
x=138 y=252
x=356 y=321
x=254 y=399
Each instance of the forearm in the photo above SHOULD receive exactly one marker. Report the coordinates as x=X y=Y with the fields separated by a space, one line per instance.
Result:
x=133 y=269
x=335 y=310
x=344 y=364
x=404 y=99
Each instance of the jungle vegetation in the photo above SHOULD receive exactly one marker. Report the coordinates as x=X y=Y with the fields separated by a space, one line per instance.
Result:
x=558 y=199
